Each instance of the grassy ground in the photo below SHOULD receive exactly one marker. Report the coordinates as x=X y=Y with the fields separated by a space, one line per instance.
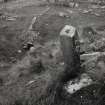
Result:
x=16 y=69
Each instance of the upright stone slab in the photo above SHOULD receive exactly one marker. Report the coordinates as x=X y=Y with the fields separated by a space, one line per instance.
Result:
x=69 y=41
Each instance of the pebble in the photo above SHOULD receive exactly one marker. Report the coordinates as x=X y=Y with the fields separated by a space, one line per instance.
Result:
x=19 y=51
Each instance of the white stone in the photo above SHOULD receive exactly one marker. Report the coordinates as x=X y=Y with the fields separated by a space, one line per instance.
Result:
x=19 y=51
x=33 y=21
x=68 y=30
x=76 y=5
x=32 y=49
x=71 y=4
x=77 y=84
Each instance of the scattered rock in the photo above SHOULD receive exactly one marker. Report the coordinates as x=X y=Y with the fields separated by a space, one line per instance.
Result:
x=102 y=7
x=7 y=17
x=76 y=5
x=62 y=14
x=78 y=83
x=61 y=63
x=90 y=55
x=32 y=23
x=96 y=14
x=11 y=19
x=98 y=45
x=19 y=51
x=88 y=34
x=27 y=46
x=70 y=11
x=97 y=71
x=32 y=49
x=13 y=59
x=85 y=11
x=30 y=82
x=71 y=4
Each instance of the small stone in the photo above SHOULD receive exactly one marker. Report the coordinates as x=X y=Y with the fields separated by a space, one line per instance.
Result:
x=70 y=11
x=61 y=63
x=62 y=14
x=76 y=5
x=85 y=11
x=32 y=49
x=32 y=23
x=46 y=24
x=13 y=59
x=71 y=4
x=28 y=45
x=19 y=51
x=96 y=14
x=11 y=19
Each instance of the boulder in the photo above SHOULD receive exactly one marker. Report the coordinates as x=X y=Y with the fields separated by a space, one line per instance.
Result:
x=70 y=49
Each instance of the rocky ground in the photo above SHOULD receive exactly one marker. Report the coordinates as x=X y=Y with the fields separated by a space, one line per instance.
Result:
x=25 y=75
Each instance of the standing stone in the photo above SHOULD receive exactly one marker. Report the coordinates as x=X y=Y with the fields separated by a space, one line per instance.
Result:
x=69 y=42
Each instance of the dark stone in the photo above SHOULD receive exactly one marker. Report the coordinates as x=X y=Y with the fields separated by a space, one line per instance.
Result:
x=28 y=46
x=70 y=54
x=1 y=81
